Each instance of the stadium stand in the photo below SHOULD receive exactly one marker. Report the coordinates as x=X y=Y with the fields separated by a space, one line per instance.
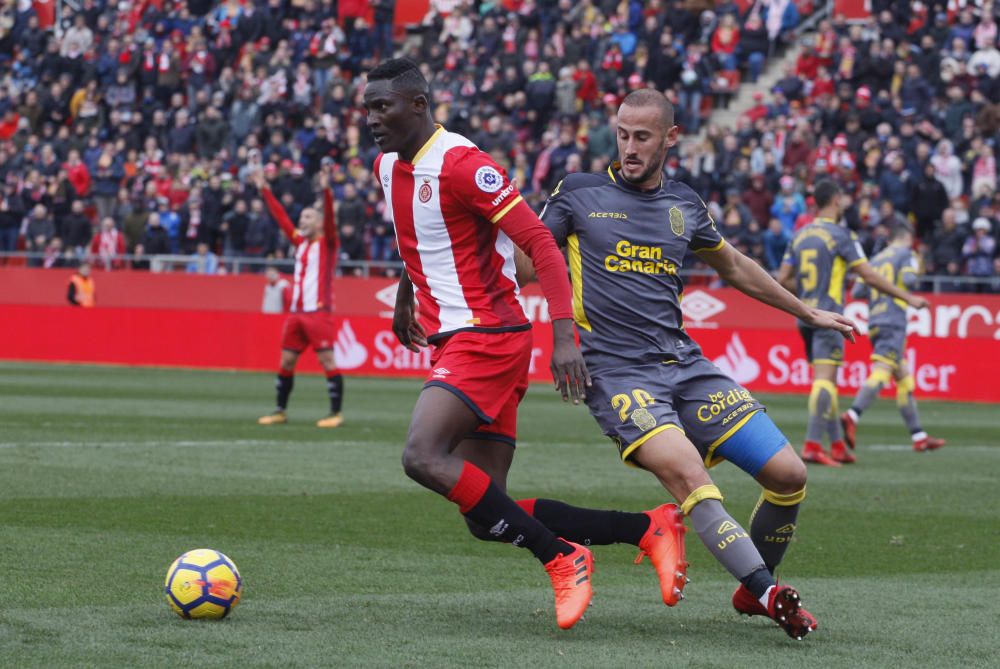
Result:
x=152 y=114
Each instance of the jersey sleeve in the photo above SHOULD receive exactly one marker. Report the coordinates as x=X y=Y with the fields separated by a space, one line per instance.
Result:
x=557 y=215
x=704 y=235
x=330 y=221
x=909 y=270
x=279 y=214
x=482 y=186
x=849 y=248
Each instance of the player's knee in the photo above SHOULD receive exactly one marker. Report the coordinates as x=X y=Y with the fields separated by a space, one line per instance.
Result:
x=790 y=478
x=417 y=464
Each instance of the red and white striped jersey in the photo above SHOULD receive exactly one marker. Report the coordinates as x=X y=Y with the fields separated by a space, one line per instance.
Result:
x=315 y=259
x=444 y=206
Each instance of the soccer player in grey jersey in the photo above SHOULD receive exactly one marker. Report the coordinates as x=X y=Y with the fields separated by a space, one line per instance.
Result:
x=815 y=267
x=887 y=331
x=666 y=407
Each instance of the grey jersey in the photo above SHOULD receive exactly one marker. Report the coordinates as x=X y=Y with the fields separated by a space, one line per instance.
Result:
x=625 y=247
x=821 y=254
x=900 y=266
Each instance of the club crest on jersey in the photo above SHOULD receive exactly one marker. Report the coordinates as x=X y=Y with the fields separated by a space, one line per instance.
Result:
x=424 y=193
x=488 y=179
x=676 y=221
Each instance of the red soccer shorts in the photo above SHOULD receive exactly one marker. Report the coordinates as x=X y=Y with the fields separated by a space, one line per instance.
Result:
x=489 y=372
x=302 y=330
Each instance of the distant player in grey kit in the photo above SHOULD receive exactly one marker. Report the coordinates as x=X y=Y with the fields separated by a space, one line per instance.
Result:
x=887 y=331
x=815 y=266
x=666 y=407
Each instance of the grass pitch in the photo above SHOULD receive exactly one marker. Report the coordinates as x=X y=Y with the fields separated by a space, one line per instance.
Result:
x=107 y=475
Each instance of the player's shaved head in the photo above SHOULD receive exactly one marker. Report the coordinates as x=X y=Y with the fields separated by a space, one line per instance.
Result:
x=403 y=76
x=650 y=97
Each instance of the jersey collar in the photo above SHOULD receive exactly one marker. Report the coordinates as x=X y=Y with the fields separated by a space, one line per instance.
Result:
x=428 y=144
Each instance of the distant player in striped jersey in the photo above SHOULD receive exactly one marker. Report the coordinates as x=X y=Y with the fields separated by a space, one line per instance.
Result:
x=887 y=331
x=457 y=218
x=310 y=321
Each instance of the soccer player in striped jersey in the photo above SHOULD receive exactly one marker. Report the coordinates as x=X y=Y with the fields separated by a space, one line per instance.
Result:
x=457 y=218
x=310 y=322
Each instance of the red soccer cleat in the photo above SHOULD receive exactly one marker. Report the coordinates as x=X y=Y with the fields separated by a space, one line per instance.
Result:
x=570 y=575
x=850 y=430
x=785 y=608
x=813 y=452
x=928 y=444
x=663 y=542
x=839 y=452
x=746 y=604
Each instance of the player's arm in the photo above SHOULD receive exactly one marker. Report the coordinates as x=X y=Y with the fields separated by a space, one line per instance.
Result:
x=878 y=282
x=750 y=278
x=786 y=276
x=408 y=331
x=486 y=191
x=278 y=212
x=529 y=234
x=330 y=233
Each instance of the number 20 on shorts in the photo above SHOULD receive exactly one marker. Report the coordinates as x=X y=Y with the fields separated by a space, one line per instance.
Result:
x=622 y=402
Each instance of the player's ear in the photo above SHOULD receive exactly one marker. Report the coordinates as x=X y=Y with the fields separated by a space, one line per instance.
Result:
x=672 y=135
x=419 y=104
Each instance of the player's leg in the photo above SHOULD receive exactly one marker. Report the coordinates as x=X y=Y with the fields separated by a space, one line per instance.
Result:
x=319 y=332
x=334 y=389
x=908 y=410
x=822 y=406
x=441 y=421
x=283 y=388
x=481 y=375
x=760 y=449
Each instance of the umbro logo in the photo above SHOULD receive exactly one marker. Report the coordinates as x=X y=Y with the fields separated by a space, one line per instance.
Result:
x=499 y=528
x=786 y=529
x=441 y=372
x=726 y=526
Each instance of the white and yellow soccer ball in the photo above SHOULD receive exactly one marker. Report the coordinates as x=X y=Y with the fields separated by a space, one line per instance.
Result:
x=203 y=583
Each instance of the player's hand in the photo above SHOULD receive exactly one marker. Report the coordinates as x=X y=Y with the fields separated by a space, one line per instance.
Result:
x=408 y=331
x=918 y=302
x=569 y=371
x=833 y=321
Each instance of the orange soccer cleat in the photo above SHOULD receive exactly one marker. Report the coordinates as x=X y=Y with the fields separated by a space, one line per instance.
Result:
x=663 y=542
x=745 y=603
x=276 y=418
x=571 y=576
x=850 y=427
x=927 y=444
x=839 y=452
x=813 y=452
x=784 y=606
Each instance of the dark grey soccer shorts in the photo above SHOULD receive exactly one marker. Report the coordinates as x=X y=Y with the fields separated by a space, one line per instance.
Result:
x=888 y=344
x=823 y=346
x=633 y=402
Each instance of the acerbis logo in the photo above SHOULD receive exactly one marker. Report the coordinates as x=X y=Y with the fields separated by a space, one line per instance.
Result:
x=700 y=306
x=737 y=363
x=348 y=352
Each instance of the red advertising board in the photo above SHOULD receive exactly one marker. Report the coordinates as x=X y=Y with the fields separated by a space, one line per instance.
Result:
x=953 y=347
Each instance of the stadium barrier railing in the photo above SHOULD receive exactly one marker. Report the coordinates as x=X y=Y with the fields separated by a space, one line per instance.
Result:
x=365 y=269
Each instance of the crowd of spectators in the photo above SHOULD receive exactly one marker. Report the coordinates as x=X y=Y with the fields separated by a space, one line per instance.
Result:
x=133 y=129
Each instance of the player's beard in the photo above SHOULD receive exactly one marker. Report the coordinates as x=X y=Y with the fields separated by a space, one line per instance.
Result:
x=653 y=168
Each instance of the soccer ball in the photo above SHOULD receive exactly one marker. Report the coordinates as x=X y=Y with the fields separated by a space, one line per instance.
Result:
x=203 y=583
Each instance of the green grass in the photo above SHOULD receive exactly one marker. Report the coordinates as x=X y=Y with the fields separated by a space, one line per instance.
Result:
x=107 y=474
